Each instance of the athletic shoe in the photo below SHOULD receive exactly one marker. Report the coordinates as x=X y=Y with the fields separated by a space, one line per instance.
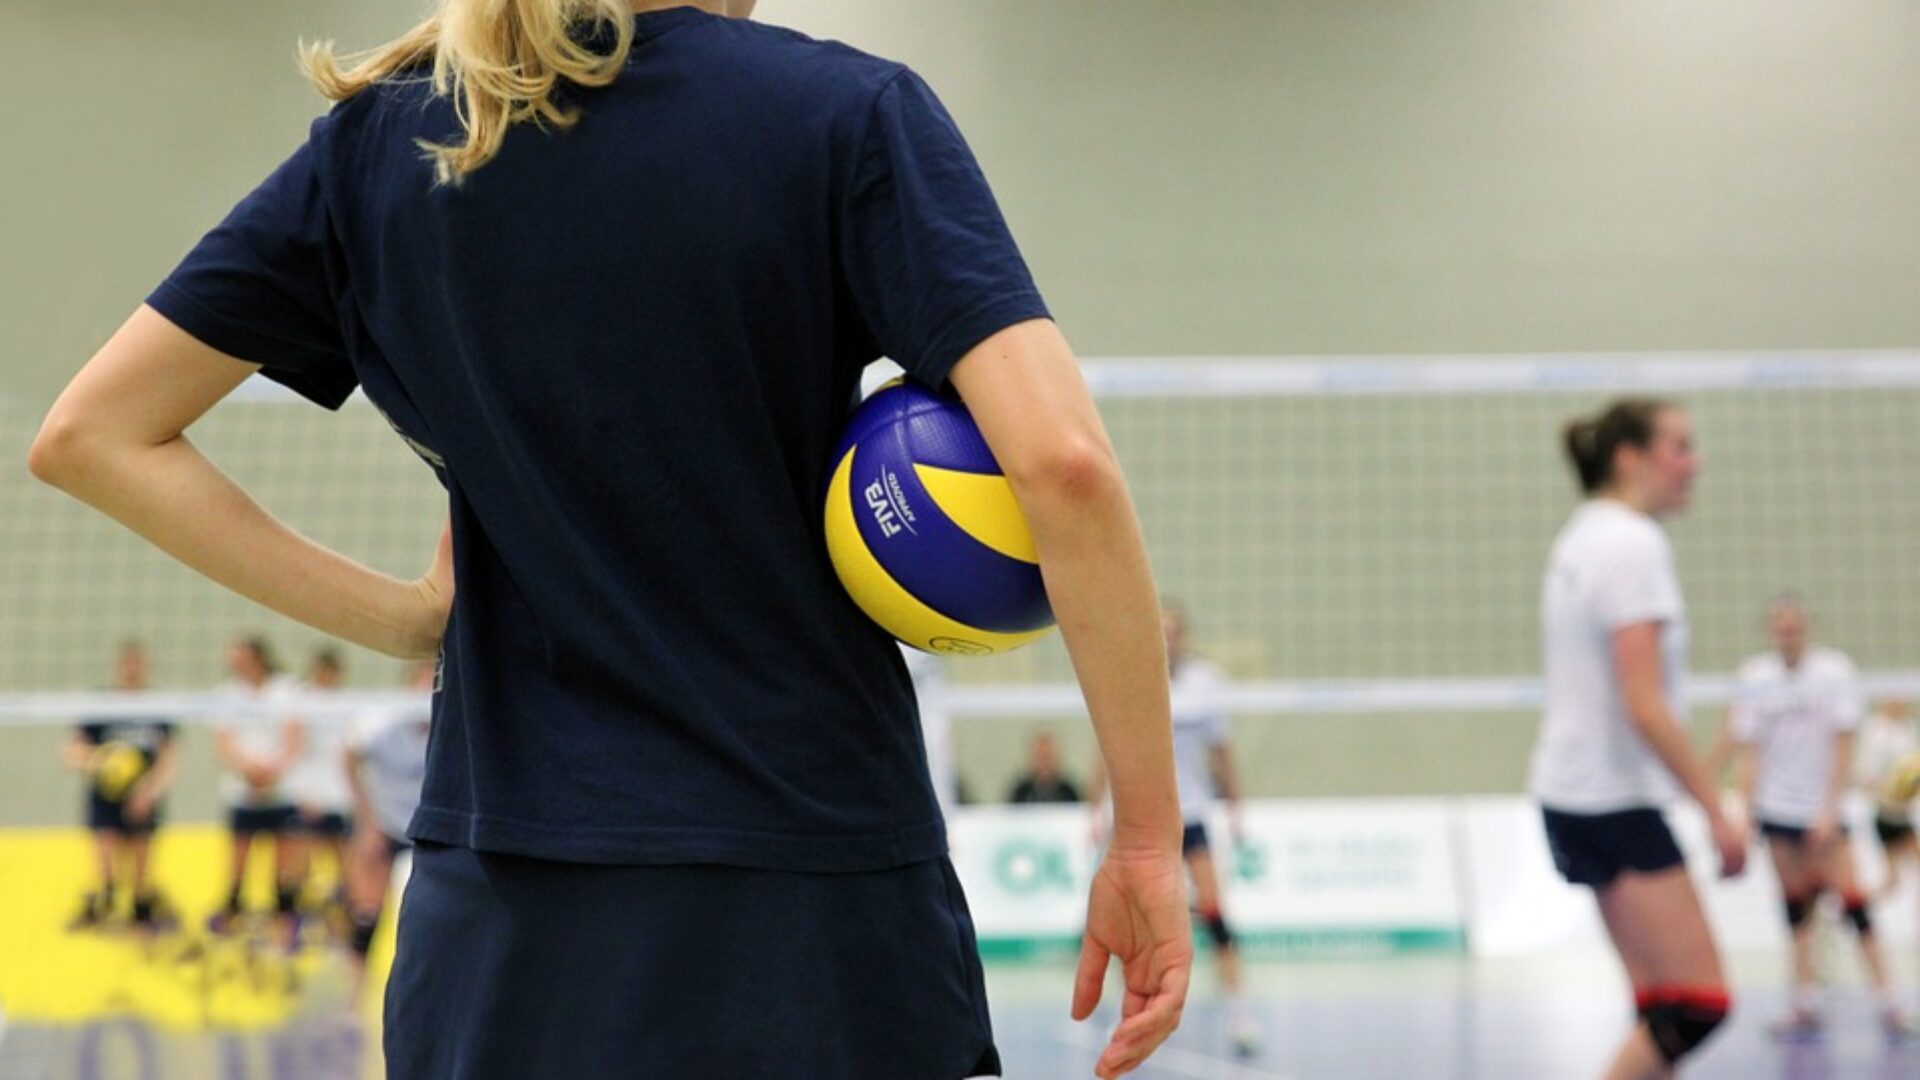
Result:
x=1797 y=1026
x=1245 y=1038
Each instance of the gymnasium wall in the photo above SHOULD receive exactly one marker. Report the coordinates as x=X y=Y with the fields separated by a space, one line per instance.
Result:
x=1186 y=178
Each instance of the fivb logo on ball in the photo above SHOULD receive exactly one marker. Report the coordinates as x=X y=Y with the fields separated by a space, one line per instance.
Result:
x=929 y=541
x=889 y=504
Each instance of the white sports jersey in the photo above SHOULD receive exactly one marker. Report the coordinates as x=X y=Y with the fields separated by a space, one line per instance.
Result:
x=936 y=726
x=1199 y=725
x=260 y=736
x=392 y=746
x=1791 y=717
x=1611 y=568
x=318 y=781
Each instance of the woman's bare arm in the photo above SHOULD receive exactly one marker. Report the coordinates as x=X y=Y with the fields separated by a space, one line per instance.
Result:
x=116 y=440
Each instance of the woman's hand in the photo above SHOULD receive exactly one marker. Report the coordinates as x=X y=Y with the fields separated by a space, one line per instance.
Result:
x=1730 y=840
x=1137 y=911
x=428 y=602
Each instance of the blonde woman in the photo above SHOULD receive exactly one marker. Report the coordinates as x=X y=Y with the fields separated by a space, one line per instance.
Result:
x=613 y=270
x=1612 y=745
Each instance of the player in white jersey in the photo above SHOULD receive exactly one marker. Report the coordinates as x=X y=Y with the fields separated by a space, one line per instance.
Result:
x=1794 y=717
x=1887 y=738
x=317 y=787
x=385 y=760
x=1203 y=764
x=256 y=753
x=1614 y=638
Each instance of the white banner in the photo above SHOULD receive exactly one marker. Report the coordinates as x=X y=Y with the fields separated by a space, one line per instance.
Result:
x=1346 y=876
x=1317 y=876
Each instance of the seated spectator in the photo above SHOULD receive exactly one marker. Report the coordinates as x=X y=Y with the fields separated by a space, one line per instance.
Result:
x=1043 y=782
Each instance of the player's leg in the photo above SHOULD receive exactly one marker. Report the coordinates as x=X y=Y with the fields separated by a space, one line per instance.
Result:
x=289 y=870
x=366 y=873
x=1198 y=851
x=1840 y=874
x=138 y=845
x=1661 y=934
x=242 y=826
x=97 y=904
x=1799 y=896
x=1897 y=842
x=333 y=907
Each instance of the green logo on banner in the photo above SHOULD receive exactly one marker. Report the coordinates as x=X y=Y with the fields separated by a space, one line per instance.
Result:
x=1249 y=861
x=1023 y=867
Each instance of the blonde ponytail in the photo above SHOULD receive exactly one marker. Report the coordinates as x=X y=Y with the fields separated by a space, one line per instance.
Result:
x=500 y=62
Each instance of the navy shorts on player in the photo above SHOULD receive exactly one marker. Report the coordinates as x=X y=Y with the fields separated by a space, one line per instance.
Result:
x=1594 y=849
x=1892 y=830
x=1792 y=834
x=106 y=816
x=332 y=825
x=259 y=819
x=508 y=967
x=1193 y=837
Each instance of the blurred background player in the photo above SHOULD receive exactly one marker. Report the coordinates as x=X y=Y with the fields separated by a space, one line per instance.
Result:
x=1203 y=764
x=1614 y=638
x=1043 y=782
x=317 y=787
x=1887 y=737
x=256 y=752
x=129 y=765
x=385 y=760
x=1796 y=710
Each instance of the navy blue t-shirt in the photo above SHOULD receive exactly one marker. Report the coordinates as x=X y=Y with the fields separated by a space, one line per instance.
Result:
x=627 y=350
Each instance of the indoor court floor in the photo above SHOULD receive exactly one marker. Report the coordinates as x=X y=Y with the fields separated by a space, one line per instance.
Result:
x=1427 y=1018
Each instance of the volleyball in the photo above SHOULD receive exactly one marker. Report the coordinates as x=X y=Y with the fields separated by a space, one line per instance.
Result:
x=924 y=532
x=1902 y=784
x=116 y=765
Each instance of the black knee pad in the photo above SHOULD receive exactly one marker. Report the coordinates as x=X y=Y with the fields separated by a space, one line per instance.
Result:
x=363 y=928
x=1859 y=915
x=1798 y=911
x=1217 y=928
x=286 y=900
x=1680 y=1020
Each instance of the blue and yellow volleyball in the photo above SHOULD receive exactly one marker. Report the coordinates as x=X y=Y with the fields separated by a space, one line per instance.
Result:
x=924 y=532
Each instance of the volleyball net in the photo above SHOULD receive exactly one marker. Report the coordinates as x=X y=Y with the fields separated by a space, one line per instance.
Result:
x=1351 y=534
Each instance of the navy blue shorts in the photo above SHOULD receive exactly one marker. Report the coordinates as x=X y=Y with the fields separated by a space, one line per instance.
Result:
x=1792 y=834
x=1193 y=837
x=1593 y=849
x=332 y=825
x=1892 y=831
x=104 y=815
x=509 y=967
x=259 y=819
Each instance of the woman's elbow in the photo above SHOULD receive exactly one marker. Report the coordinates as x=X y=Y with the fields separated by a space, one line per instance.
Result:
x=1076 y=471
x=55 y=450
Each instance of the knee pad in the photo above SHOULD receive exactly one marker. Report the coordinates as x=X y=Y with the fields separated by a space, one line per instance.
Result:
x=1859 y=915
x=286 y=900
x=363 y=927
x=1799 y=910
x=1216 y=925
x=1681 y=1018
